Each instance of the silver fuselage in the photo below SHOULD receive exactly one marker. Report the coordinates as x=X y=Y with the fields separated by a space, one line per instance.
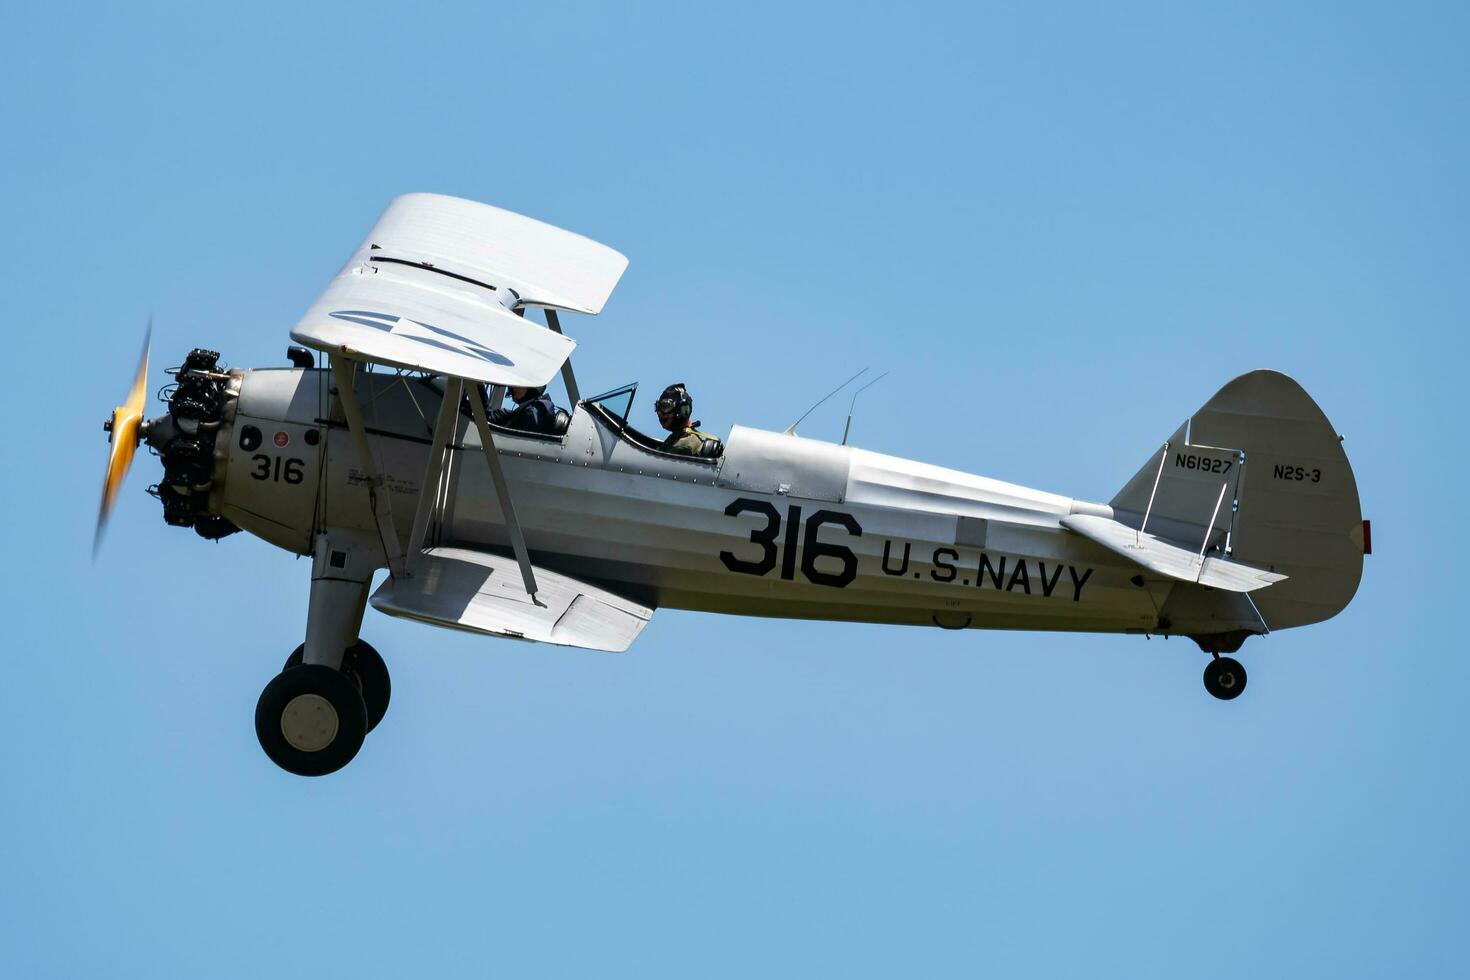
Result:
x=779 y=526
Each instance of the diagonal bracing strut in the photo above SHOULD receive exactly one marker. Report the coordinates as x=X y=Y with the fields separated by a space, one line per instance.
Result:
x=502 y=490
x=568 y=378
x=342 y=369
x=429 y=492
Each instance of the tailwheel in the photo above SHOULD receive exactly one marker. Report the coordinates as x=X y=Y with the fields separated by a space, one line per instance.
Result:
x=364 y=666
x=1224 y=678
x=311 y=720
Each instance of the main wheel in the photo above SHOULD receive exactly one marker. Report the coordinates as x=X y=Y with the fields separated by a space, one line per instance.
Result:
x=367 y=670
x=1224 y=678
x=311 y=720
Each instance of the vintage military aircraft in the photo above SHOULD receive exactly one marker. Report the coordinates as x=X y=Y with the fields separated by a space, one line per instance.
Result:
x=1245 y=520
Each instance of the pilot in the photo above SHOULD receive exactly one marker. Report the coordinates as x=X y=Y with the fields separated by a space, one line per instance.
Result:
x=674 y=407
x=533 y=411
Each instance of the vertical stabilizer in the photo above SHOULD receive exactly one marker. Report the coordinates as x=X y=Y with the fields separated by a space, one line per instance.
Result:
x=1289 y=499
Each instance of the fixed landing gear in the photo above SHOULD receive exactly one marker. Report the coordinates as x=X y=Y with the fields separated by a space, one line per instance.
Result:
x=334 y=689
x=1224 y=678
x=365 y=668
x=311 y=720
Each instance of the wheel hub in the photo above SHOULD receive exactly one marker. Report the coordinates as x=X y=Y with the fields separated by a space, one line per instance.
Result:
x=309 y=722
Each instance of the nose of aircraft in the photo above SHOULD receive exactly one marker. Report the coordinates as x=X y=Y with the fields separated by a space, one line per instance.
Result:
x=185 y=440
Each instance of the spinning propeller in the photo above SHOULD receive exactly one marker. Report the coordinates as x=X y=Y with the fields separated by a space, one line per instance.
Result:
x=126 y=428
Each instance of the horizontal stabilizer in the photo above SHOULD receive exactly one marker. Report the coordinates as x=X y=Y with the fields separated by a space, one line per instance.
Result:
x=483 y=593
x=1170 y=560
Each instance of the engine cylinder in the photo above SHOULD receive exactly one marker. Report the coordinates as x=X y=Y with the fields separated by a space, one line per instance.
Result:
x=185 y=439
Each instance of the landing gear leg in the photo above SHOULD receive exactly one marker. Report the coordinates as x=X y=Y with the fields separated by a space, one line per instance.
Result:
x=341 y=571
x=1224 y=677
x=311 y=719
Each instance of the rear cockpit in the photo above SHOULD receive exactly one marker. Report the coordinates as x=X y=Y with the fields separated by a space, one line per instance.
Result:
x=611 y=409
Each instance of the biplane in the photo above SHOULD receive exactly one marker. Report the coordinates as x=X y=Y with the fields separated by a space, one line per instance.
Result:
x=375 y=451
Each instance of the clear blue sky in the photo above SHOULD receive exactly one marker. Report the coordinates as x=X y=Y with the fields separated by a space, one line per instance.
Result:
x=1061 y=229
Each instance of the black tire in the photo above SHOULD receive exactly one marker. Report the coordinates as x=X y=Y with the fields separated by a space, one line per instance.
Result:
x=365 y=667
x=1225 y=678
x=310 y=720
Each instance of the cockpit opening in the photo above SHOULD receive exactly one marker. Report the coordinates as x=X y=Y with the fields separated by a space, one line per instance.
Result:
x=673 y=408
x=536 y=415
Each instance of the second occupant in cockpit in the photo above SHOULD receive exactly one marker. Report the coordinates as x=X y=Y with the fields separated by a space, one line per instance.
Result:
x=674 y=407
x=533 y=411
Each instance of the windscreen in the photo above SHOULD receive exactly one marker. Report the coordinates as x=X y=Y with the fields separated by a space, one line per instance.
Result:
x=616 y=403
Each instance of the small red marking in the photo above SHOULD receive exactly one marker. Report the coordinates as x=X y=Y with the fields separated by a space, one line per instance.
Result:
x=1367 y=536
x=281 y=440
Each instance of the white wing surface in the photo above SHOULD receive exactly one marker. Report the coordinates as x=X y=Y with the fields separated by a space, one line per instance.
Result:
x=1170 y=560
x=483 y=593
x=396 y=316
x=543 y=264
x=434 y=286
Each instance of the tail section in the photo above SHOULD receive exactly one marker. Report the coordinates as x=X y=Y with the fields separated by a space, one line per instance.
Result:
x=1260 y=475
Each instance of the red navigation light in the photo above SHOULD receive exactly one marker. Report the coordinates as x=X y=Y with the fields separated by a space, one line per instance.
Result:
x=1367 y=536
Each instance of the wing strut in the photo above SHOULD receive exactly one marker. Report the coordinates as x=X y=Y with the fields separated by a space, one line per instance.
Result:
x=377 y=493
x=429 y=494
x=568 y=378
x=502 y=490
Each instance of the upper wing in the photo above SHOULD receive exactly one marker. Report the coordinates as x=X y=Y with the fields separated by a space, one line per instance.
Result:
x=1170 y=560
x=434 y=286
x=483 y=593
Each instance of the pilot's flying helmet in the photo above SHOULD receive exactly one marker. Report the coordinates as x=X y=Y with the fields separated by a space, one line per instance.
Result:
x=675 y=401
